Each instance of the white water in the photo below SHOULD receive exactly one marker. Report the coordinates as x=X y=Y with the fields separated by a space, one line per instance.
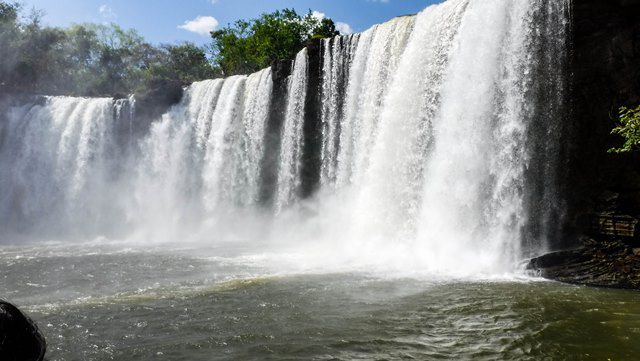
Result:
x=434 y=140
x=56 y=163
x=202 y=160
x=430 y=126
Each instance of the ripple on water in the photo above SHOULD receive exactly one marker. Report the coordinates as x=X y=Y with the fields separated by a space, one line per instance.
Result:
x=148 y=305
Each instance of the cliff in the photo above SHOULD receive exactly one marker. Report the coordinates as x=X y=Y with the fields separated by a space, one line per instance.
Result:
x=602 y=189
x=605 y=69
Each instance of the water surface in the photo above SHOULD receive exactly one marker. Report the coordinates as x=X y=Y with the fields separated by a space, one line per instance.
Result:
x=115 y=303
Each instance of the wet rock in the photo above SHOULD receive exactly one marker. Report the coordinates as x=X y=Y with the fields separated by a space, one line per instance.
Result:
x=20 y=339
x=155 y=101
x=609 y=200
x=280 y=71
x=612 y=264
x=312 y=129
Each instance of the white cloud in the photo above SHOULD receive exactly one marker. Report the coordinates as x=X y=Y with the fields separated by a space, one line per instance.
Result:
x=107 y=13
x=318 y=15
x=213 y=2
x=344 y=28
x=201 y=25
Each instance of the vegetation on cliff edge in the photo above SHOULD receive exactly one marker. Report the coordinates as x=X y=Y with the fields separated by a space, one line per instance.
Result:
x=248 y=46
x=629 y=128
x=107 y=60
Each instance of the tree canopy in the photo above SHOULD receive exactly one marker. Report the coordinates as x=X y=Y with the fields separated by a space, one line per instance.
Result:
x=89 y=59
x=248 y=46
x=107 y=60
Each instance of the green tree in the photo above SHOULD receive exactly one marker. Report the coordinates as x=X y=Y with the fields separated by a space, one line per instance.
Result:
x=629 y=129
x=123 y=56
x=326 y=28
x=248 y=46
x=185 y=63
x=37 y=52
x=9 y=31
x=89 y=59
x=107 y=60
x=78 y=58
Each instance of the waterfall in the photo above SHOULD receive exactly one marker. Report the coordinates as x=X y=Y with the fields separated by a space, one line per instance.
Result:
x=434 y=149
x=438 y=149
x=291 y=138
x=203 y=157
x=375 y=60
x=57 y=158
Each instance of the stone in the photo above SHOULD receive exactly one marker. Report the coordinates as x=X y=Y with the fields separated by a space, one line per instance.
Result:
x=20 y=339
x=312 y=129
x=155 y=101
x=610 y=264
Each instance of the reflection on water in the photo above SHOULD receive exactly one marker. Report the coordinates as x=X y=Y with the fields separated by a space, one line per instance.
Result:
x=105 y=303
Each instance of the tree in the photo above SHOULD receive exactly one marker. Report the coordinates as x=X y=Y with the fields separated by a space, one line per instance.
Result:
x=107 y=60
x=9 y=12
x=123 y=56
x=89 y=59
x=183 y=64
x=248 y=46
x=325 y=29
x=8 y=33
x=629 y=129
x=37 y=52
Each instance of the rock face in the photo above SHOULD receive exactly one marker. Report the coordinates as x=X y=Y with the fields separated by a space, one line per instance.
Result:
x=311 y=154
x=280 y=71
x=156 y=101
x=611 y=264
x=600 y=188
x=605 y=69
x=20 y=339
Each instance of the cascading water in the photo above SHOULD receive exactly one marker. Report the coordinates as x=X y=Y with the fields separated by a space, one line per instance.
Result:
x=203 y=158
x=291 y=137
x=435 y=159
x=57 y=160
x=438 y=148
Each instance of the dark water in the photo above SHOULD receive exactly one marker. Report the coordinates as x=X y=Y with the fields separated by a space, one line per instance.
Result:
x=94 y=303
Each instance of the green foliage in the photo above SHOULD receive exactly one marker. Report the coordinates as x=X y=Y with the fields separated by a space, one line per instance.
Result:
x=629 y=129
x=326 y=28
x=8 y=32
x=121 y=59
x=248 y=46
x=107 y=60
x=184 y=63
x=89 y=59
x=9 y=12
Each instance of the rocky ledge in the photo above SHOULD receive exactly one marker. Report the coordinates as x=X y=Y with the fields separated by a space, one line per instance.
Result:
x=602 y=263
x=20 y=339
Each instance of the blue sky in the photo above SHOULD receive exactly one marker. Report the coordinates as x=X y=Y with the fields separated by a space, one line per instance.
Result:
x=171 y=21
